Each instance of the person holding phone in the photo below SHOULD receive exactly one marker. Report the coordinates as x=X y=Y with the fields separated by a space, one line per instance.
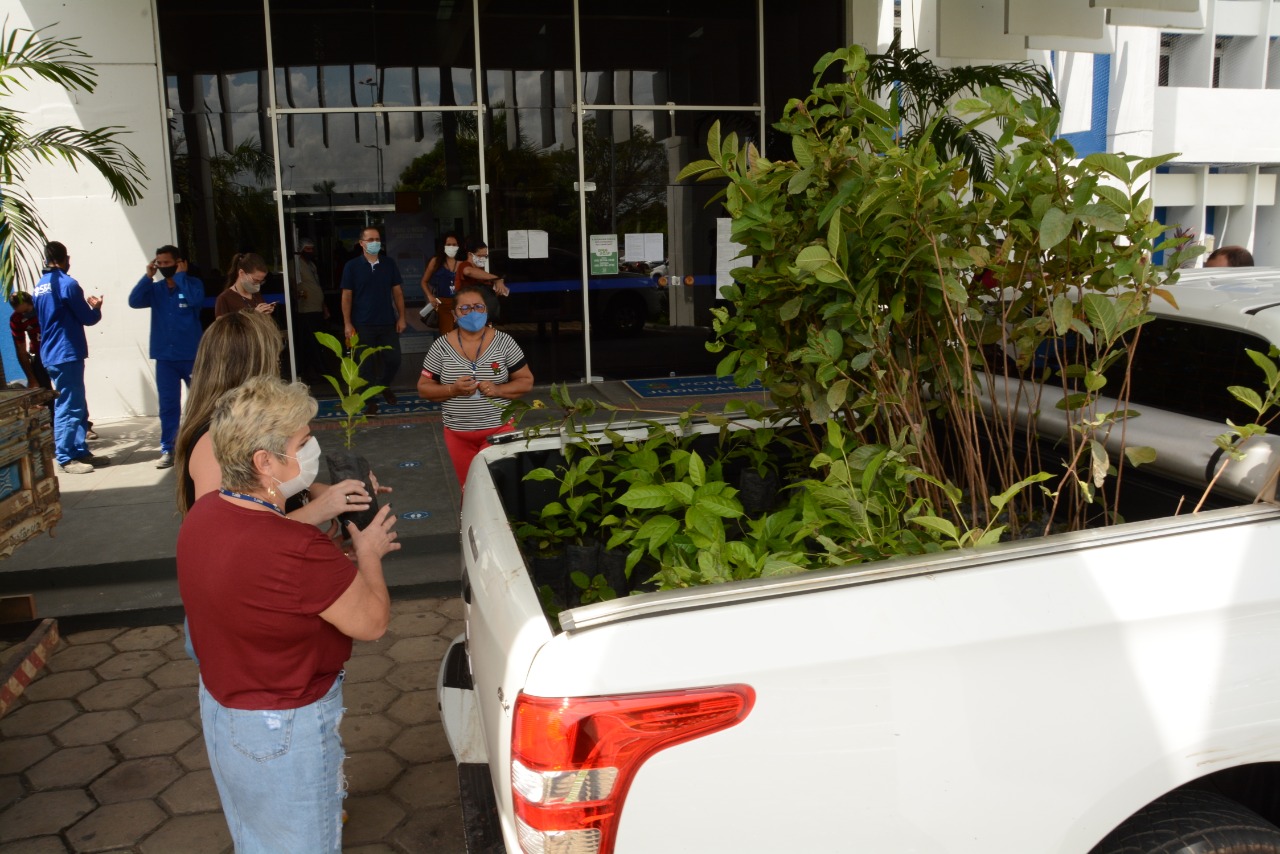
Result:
x=244 y=286
x=63 y=312
x=175 y=301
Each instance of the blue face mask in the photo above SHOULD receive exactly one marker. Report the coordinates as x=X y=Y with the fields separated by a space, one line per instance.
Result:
x=373 y=247
x=473 y=322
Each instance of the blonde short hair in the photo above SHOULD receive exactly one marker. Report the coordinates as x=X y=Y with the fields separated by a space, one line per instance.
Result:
x=260 y=415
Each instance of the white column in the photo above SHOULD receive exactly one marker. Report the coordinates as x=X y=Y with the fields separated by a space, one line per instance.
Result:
x=870 y=24
x=1135 y=67
x=1266 y=233
x=1239 y=227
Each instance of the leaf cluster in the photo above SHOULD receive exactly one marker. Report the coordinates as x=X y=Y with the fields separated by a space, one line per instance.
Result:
x=893 y=281
x=1266 y=405
x=663 y=498
x=352 y=389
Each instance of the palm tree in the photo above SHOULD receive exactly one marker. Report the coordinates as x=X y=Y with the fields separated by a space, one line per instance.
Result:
x=26 y=55
x=922 y=91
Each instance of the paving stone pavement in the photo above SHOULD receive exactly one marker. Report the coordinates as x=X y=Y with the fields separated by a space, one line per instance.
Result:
x=104 y=752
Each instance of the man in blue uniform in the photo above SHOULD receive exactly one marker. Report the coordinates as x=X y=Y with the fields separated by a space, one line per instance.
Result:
x=175 y=301
x=64 y=312
x=373 y=308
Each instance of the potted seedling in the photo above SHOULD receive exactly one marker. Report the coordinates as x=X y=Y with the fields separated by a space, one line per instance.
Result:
x=578 y=517
x=544 y=549
x=758 y=478
x=353 y=393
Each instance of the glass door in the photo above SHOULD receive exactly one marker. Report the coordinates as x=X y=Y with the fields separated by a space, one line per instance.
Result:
x=376 y=126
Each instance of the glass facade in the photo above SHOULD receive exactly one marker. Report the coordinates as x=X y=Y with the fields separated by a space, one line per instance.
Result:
x=499 y=122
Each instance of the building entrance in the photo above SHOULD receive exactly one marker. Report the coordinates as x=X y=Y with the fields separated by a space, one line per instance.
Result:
x=551 y=131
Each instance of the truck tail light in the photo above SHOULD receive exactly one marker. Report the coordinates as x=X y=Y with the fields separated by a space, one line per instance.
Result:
x=573 y=758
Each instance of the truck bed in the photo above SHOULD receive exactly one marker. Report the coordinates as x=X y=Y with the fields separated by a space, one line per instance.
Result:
x=1023 y=697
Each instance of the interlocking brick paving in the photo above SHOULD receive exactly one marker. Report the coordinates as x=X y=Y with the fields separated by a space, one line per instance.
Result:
x=103 y=752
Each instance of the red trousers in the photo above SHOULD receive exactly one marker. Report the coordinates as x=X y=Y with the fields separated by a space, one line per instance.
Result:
x=463 y=446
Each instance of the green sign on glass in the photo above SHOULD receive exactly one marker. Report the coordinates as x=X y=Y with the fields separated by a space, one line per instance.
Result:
x=604 y=254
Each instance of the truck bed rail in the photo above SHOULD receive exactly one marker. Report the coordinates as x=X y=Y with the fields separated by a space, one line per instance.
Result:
x=698 y=598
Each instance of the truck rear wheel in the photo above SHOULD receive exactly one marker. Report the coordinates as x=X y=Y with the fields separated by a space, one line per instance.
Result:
x=1192 y=822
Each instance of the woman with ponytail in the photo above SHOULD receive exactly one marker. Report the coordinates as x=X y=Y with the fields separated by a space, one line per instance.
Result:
x=244 y=286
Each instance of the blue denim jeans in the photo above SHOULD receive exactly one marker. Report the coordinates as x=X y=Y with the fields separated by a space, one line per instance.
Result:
x=279 y=773
x=187 y=646
x=70 y=411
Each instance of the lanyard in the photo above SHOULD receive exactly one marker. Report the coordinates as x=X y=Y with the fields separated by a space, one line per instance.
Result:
x=255 y=499
x=475 y=363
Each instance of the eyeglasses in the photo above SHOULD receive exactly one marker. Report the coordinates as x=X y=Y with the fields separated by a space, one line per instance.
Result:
x=479 y=307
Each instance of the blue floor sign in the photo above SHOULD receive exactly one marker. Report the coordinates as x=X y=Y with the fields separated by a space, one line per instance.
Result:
x=331 y=407
x=677 y=386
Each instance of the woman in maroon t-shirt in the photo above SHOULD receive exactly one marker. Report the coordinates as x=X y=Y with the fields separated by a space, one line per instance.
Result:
x=272 y=610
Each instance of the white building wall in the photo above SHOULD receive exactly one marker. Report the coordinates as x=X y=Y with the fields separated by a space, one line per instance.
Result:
x=109 y=243
x=1226 y=131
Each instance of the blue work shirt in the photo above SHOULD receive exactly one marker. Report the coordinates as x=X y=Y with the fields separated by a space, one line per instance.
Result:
x=175 y=315
x=63 y=314
x=372 y=301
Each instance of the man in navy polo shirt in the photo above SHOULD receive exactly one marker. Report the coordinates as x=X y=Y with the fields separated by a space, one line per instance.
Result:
x=373 y=308
x=175 y=302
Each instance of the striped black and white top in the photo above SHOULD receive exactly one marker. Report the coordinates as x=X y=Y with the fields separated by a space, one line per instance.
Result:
x=498 y=360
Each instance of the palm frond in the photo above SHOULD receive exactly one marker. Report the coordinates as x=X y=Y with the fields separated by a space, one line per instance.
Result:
x=100 y=148
x=1024 y=79
x=923 y=92
x=56 y=60
x=977 y=150
x=27 y=55
x=21 y=238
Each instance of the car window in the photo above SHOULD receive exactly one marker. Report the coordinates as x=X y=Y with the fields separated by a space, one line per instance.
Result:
x=1186 y=367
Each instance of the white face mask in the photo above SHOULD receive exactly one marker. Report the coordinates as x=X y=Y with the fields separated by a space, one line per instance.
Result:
x=250 y=286
x=482 y=263
x=308 y=467
x=450 y=251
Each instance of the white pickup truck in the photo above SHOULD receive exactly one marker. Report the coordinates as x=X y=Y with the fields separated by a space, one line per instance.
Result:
x=1111 y=690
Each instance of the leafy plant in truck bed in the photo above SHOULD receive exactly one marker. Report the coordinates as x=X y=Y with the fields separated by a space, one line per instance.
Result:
x=1267 y=407
x=890 y=291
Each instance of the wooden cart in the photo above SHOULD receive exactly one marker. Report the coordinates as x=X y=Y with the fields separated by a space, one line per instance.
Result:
x=29 y=497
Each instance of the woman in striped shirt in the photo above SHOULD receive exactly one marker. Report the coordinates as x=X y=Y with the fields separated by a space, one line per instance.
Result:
x=471 y=370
